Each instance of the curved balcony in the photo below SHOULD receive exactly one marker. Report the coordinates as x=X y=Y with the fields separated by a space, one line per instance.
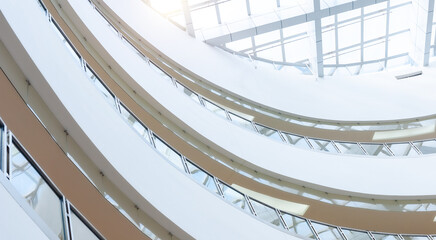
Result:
x=249 y=148
x=382 y=148
x=321 y=229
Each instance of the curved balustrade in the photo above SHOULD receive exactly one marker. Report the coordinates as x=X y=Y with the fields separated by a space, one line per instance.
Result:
x=295 y=119
x=40 y=193
x=298 y=190
x=325 y=145
x=296 y=225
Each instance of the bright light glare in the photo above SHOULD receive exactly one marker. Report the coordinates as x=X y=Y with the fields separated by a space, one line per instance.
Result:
x=166 y=6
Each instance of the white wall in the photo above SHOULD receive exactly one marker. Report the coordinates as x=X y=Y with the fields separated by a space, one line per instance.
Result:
x=165 y=193
x=369 y=97
x=371 y=177
x=15 y=223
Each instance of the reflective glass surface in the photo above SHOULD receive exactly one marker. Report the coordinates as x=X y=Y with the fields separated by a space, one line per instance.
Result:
x=426 y=147
x=241 y=121
x=168 y=152
x=135 y=123
x=382 y=236
x=298 y=226
x=187 y=92
x=79 y=230
x=295 y=140
x=412 y=237
x=97 y=83
x=265 y=212
x=376 y=149
x=355 y=235
x=322 y=145
x=349 y=148
x=235 y=197
x=202 y=177
x=214 y=108
x=269 y=132
x=402 y=149
x=326 y=232
x=132 y=48
x=163 y=74
x=36 y=191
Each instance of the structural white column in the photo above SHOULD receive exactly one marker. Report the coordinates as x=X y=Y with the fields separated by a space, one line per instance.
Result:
x=315 y=36
x=188 y=18
x=420 y=30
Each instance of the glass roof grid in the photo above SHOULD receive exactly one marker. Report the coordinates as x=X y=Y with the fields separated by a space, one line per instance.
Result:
x=362 y=36
x=260 y=7
x=379 y=7
x=230 y=11
x=204 y=18
x=374 y=51
x=374 y=26
x=397 y=43
x=356 y=13
x=296 y=50
x=273 y=53
x=349 y=33
x=273 y=36
x=350 y=56
x=399 y=18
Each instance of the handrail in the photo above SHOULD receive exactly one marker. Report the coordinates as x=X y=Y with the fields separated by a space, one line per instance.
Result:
x=294 y=118
x=402 y=148
x=319 y=196
x=258 y=209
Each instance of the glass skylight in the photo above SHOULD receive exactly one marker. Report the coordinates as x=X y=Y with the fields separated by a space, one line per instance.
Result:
x=355 y=37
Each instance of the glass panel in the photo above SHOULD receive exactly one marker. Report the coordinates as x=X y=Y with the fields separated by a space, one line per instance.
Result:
x=326 y=232
x=241 y=121
x=298 y=226
x=64 y=40
x=214 y=108
x=269 y=132
x=107 y=22
x=322 y=145
x=297 y=141
x=376 y=149
x=97 y=83
x=426 y=147
x=355 y=235
x=410 y=237
x=73 y=52
x=266 y=213
x=135 y=123
x=161 y=72
x=188 y=92
x=402 y=149
x=80 y=230
x=36 y=191
x=42 y=6
x=349 y=148
x=202 y=177
x=168 y=152
x=381 y=236
x=235 y=197
x=133 y=48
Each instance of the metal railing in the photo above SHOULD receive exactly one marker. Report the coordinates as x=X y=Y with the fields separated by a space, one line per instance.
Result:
x=387 y=149
x=296 y=225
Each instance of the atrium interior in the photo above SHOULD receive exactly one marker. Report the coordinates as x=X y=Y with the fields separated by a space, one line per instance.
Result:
x=217 y=119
